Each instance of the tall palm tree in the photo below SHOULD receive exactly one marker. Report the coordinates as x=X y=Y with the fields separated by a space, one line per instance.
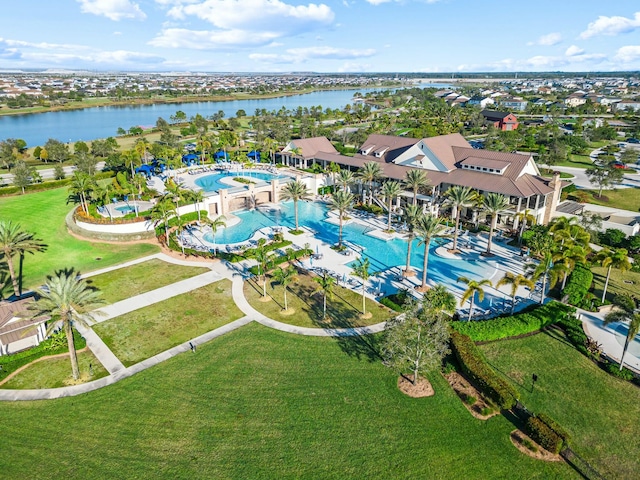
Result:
x=494 y=204
x=15 y=241
x=572 y=235
x=263 y=258
x=161 y=213
x=411 y=216
x=333 y=168
x=361 y=270
x=569 y=257
x=626 y=312
x=204 y=145
x=415 y=180
x=175 y=193
x=342 y=201
x=81 y=186
x=547 y=271
x=369 y=173
x=515 y=281
x=295 y=191
x=459 y=197
x=66 y=298
x=428 y=227
x=345 y=178
x=612 y=259
x=525 y=218
x=284 y=276
x=390 y=190
x=473 y=287
x=198 y=197
x=325 y=285
x=218 y=222
x=562 y=223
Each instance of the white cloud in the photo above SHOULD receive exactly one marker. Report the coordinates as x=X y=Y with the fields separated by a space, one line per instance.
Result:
x=628 y=53
x=211 y=39
x=113 y=9
x=539 y=63
x=302 y=55
x=380 y=2
x=611 y=26
x=547 y=40
x=573 y=50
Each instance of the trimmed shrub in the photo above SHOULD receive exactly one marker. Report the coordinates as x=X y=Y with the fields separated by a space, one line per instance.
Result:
x=537 y=318
x=578 y=285
x=387 y=302
x=544 y=435
x=475 y=366
x=624 y=374
x=572 y=328
x=553 y=425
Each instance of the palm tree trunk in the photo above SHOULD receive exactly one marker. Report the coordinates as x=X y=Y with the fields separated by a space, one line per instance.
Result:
x=425 y=263
x=12 y=274
x=455 y=234
x=606 y=284
x=564 y=279
x=494 y=220
x=340 y=232
x=295 y=211
x=166 y=231
x=513 y=302
x=73 y=356
x=264 y=285
x=324 y=306
x=415 y=197
x=471 y=307
x=544 y=288
x=522 y=227
x=389 y=214
x=364 y=306
x=624 y=352
x=285 y=299
x=408 y=266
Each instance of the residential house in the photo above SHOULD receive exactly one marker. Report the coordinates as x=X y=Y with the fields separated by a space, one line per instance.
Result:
x=481 y=100
x=18 y=331
x=626 y=105
x=513 y=103
x=504 y=121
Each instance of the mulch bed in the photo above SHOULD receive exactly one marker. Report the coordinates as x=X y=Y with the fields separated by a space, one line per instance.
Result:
x=463 y=389
x=518 y=438
x=421 y=389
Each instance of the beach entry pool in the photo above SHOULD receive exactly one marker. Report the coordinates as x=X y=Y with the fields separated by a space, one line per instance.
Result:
x=216 y=181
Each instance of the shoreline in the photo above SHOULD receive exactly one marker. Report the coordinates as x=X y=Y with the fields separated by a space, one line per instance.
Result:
x=110 y=102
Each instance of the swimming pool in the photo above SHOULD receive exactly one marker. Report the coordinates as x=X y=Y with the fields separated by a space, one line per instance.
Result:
x=382 y=254
x=213 y=183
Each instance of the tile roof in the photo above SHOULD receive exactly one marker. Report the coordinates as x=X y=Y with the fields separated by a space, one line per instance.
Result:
x=309 y=147
x=395 y=146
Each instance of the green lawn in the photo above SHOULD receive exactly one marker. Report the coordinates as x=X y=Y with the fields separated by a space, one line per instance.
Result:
x=577 y=161
x=624 y=198
x=139 y=278
x=56 y=372
x=154 y=329
x=44 y=214
x=600 y=412
x=343 y=310
x=262 y=404
x=616 y=282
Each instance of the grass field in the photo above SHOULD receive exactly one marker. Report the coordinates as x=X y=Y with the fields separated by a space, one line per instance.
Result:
x=44 y=214
x=577 y=161
x=56 y=372
x=261 y=404
x=139 y=278
x=624 y=198
x=343 y=310
x=145 y=332
x=616 y=282
x=599 y=411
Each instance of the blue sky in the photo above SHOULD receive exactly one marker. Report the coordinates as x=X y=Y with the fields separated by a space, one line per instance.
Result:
x=328 y=36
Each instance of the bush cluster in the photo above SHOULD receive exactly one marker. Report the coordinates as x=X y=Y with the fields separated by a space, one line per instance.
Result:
x=48 y=185
x=537 y=318
x=387 y=302
x=578 y=285
x=475 y=366
x=325 y=190
x=280 y=259
x=544 y=435
x=572 y=328
x=51 y=346
x=375 y=209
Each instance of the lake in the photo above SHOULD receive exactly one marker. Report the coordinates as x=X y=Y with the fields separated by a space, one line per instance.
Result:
x=101 y=122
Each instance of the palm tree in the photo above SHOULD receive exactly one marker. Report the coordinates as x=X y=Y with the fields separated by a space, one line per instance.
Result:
x=66 y=298
x=345 y=178
x=459 y=197
x=473 y=287
x=494 y=204
x=131 y=160
x=525 y=218
x=162 y=213
x=515 y=281
x=572 y=235
x=175 y=193
x=284 y=276
x=416 y=179
x=569 y=257
x=428 y=227
x=263 y=258
x=369 y=173
x=197 y=196
x=204 y=144
x=342 y=202
x=81 y=186
x=612 y=259
x=325 y=285
x=412 y=214
x=361 y=270
x=295 y=191
x=333 y=168
x=215 y=224
x=626 y=312
x=15 y=241
x=390 y=190
x=545 y=270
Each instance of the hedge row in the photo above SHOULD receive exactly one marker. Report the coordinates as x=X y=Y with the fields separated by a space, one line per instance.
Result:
x=475 y=366
x=572 y=328
x=11 y=363
x=48 y=185
x=539 y=317
x=578 y=285
x=387 y=302
x=544 y=435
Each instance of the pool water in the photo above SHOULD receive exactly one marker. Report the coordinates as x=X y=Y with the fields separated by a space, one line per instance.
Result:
x=382 y=254
x=213 y=183
x=125 y=209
